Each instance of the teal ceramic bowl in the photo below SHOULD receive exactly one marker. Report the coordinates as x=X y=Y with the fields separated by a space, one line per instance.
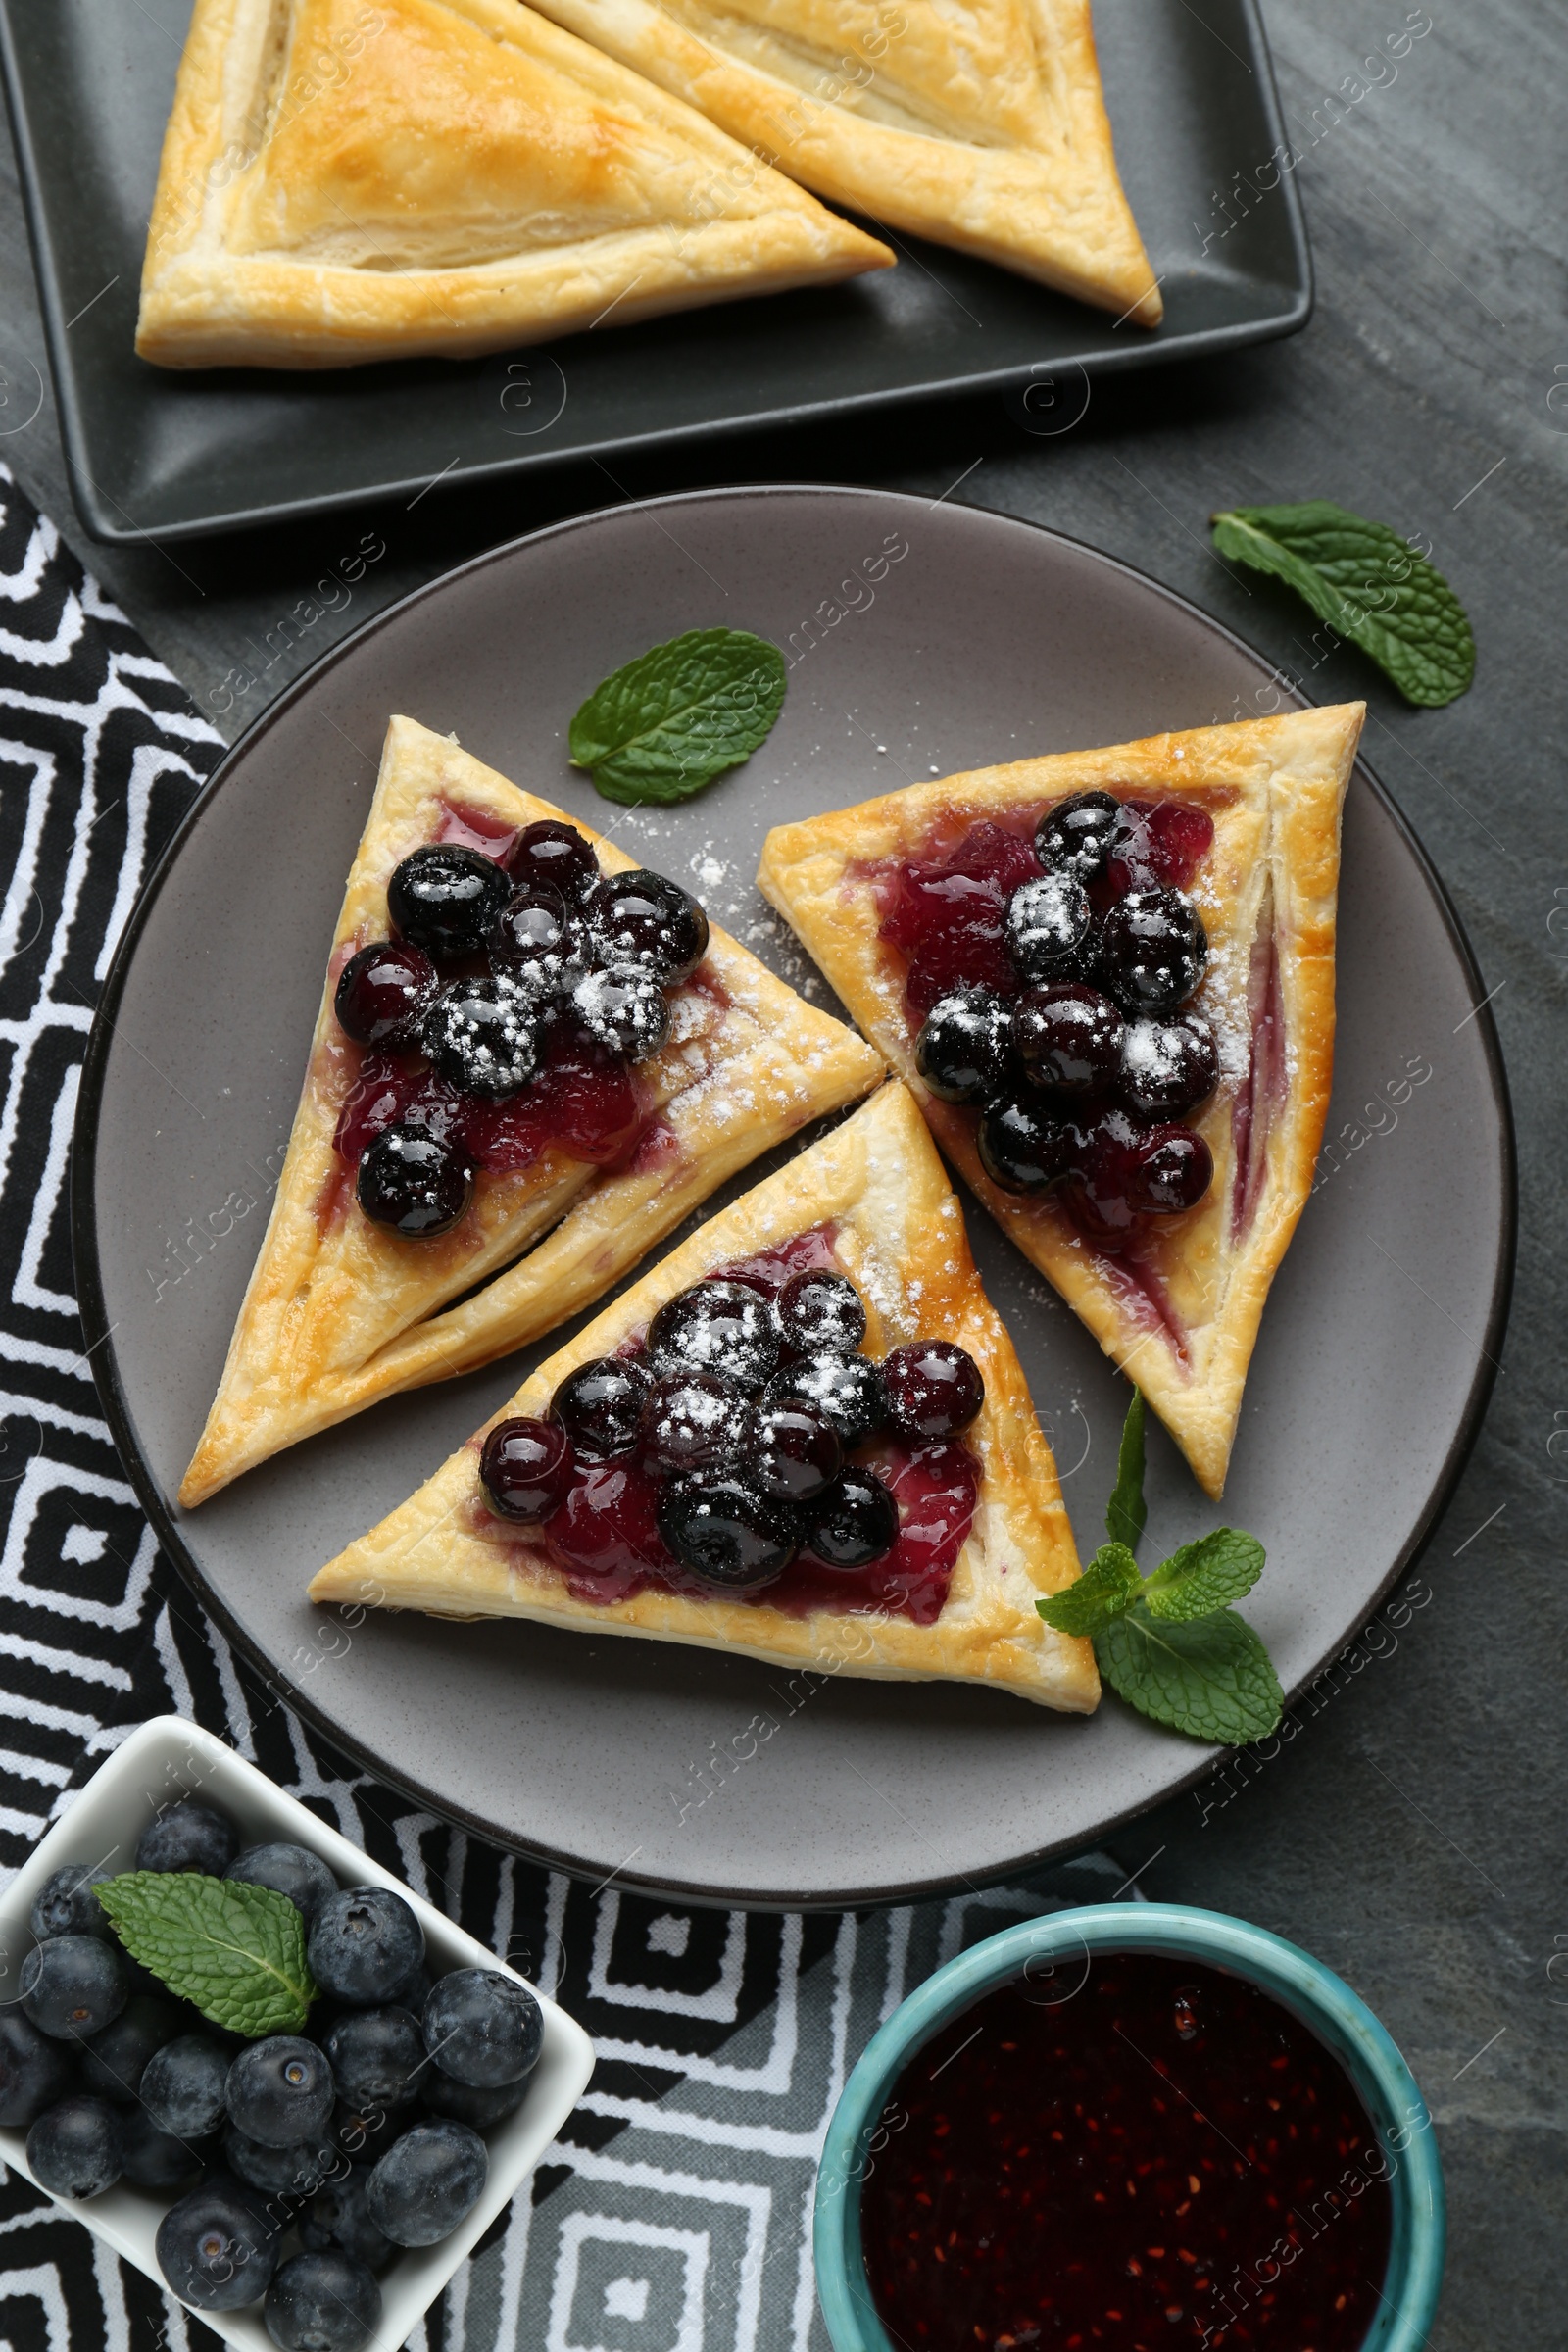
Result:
x=1322 y=2002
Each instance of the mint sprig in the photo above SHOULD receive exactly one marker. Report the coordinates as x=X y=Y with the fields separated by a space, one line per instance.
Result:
x=679 y=715
x=1368 y=584
x=1169 y=1643
x=237 y=1951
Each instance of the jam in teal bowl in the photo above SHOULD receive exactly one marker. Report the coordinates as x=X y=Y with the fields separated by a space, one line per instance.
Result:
x=1043 y=1949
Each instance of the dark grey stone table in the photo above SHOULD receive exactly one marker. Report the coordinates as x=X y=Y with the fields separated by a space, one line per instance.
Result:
x=1411 y=1833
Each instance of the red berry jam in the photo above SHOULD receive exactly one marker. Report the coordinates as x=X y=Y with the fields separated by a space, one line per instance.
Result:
x=1134 y=2153
x=477 y=829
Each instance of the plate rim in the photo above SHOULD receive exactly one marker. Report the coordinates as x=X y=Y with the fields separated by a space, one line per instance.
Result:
x=1299 y=298
x=97 y=1329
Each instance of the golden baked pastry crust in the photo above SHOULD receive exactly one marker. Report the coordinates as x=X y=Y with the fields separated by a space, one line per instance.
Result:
x=899 y=1235
x=340 y=1311
x=978 y=122
x=346 y=181
x=1275 y=789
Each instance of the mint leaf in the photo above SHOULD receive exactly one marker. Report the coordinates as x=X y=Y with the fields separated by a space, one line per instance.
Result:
x=677 y=716
x=1365 y=582
x=1203 y=1576
x=1212 y=1678
x=1127 y=1512
x=1105 y=1587
x=237 y=1951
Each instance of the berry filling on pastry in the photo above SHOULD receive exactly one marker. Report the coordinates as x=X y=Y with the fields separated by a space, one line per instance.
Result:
x=745 y=1445
x=510 y=1010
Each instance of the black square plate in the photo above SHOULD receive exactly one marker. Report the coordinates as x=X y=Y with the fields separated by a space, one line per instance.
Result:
x=176 y=455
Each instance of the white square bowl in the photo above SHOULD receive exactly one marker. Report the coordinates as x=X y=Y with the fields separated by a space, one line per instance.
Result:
x=160 y=1762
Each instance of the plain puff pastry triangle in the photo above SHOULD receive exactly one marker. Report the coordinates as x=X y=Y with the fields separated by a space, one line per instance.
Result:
x=345 y=180
x=879 y=1190
x=340 y=1311
x=978 y=122
x=1180 y=1314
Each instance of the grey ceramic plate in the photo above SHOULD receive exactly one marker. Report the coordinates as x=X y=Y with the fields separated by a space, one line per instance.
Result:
x=986 y=640
x=1193 y=105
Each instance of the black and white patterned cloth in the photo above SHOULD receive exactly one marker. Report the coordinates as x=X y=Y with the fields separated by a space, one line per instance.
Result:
x=673 y=2214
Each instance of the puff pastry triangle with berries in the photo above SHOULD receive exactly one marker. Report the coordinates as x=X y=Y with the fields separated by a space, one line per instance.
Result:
x=978 y=122
x=341 y=1311
x=345 y=180
x=1177 y=1306
x=870 y=1200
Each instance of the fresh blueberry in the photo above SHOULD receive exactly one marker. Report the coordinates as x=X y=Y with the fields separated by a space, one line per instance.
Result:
x=382 y=993
x=77 y=2148
x=289 y=1869
x=188 y=1836
x=525 y=1467
x=599 y=1405
x=34 y=2070
x=962 y=1051
x=412 y=1182
x=1074 y=836
x=856 y=1522
x=844 y=1390
x=214 y=2248
x=821 y=1315
x=182 y=2086
x=644 y=919
x=365 y=1944
x=465 y=2103
x=67 y=1904
x=280 y=2090
x=327 y=2302
x=934 y=1389
x=1153 y=950
x=625 y=1009
x=377 y=2056
x=339 y=2216
x=1168 y=1066
x=1047 y=921
x=72 y=1985
x=1068 y=1037
x=429 y=2182
x=1021 y=1147
x=483 y=2027
x=556 y=853
x=694 y=1422
x=444 y=898
x=481 y=1037
x=726 y=1530
x=155 y=2158
x=113 y=2060
x=296 y=2171
x=723 y=1328
x=363 y=2135
x=798 y=1453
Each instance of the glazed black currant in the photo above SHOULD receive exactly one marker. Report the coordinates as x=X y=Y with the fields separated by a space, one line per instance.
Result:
x=844 y=1390
x=1167 y=1067
x=533 y=931
x=963 y=1050
x=934 y=1389
x=444 y=898
x=726 y=1530
x=526 y=1468
x=695 y=1422
x=624 y=1008
x=1153 y=948
x=820 y=1314
x=1045 y=923
x=644 y=919
x=382 y=993
x=601 y=1404
x=412 y=1182
x=556 y=853
x=798 y=1454
x=1174 y=1169
x=856 y=1522
x=722 y=1328
x=1068 y=1037
x=1021 y=1147
x=1074 y=836
x=481 y=1037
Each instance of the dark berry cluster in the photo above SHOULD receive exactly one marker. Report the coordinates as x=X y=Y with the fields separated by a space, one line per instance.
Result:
x=302 y=2162
x=1080 y=1053
x=493 y=971
x=744 y=1408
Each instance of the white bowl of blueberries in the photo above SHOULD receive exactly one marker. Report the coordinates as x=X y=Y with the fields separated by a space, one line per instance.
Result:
x=255 y=2063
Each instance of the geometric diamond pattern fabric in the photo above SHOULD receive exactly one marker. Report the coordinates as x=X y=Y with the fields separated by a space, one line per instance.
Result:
x=673 y=2214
